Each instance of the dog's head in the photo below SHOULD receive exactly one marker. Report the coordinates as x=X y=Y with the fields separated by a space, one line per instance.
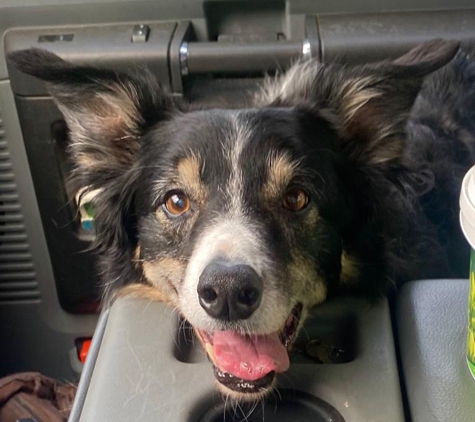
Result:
x=243 y=219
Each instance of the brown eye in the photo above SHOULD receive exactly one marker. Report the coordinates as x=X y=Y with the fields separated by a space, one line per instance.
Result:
x=295 y=199
x=177 y=203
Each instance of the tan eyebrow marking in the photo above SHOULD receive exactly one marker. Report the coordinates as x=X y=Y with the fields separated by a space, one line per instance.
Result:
x=189 y=176
x=281 y=169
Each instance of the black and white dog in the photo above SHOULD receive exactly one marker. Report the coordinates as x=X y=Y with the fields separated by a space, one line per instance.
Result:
x=338 y=179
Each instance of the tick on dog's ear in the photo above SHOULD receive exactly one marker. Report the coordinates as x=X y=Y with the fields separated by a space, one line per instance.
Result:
x=106 y=111
x=368 y=105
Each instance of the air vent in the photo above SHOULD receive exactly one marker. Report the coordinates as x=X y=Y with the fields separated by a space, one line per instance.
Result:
x=17 y=275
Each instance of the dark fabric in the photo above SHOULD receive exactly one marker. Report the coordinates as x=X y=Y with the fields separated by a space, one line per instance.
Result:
x=32 y=397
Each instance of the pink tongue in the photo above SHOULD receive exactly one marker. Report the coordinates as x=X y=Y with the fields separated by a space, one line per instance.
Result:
x=249 y=358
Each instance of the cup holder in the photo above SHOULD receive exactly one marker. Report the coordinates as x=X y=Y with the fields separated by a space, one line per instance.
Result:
x=292 y=406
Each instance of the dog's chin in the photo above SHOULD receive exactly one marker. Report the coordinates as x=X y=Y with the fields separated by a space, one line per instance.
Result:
x=245 y=391
x=254 y=386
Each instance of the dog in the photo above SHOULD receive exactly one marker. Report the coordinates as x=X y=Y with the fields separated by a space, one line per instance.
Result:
x=336 y=180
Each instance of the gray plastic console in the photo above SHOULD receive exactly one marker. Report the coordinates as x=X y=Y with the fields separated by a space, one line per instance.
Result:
x=432 y=321
x=141 y=369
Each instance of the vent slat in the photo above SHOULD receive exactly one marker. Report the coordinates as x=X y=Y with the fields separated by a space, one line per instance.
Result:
x=8 y=197
x=7 y=218
x=14 y=247
x=27 y=275
x=17 y=237
x=7 y=187
x=19 y=296
x=16 y=266
x=18 y=282
x=9 y=207
x=20 y=285
x=15 y=257
x=11 y=228
x=6 y=177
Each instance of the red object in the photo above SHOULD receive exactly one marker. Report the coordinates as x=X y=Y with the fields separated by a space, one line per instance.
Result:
x=84 y=350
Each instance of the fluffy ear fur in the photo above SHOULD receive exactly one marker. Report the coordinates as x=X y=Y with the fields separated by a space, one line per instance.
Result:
x=106 y=113
x=368 y=105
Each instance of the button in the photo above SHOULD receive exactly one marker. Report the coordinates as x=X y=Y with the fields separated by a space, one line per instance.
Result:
x=84 y=350
x=140 y=33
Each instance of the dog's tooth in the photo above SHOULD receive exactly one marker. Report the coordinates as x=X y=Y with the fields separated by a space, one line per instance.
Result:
x=210 y=351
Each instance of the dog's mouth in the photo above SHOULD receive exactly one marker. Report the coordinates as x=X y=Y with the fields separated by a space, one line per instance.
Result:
x=248 y=363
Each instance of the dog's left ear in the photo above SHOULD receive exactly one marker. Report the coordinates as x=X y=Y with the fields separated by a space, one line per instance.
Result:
x=368 y=105
x=106 y=111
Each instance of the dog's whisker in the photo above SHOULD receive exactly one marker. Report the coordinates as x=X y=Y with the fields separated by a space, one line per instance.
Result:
x=235 y=405
x=306 y=333
x=289 y=379
x=253 y=408
x=225 y=404
x=263 y=409
x=274 y=394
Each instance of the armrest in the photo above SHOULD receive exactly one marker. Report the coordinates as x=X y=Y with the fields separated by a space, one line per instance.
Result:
x=432 y=326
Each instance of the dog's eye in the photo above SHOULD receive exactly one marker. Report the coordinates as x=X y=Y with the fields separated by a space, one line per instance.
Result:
x=295 y=199
x=177 y=203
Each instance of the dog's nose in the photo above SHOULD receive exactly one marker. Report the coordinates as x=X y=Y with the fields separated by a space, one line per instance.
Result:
x=229 y=292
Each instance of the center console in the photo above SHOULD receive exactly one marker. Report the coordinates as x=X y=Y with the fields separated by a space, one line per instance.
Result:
x=146 y=365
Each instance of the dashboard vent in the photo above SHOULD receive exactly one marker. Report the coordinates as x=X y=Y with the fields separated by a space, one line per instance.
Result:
x=17 y=274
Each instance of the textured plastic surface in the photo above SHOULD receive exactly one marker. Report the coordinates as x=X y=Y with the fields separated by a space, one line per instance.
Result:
x=373 y=37
x=432 y=325
x=137 y=373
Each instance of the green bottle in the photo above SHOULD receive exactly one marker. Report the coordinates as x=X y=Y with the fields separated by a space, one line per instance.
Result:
x=471 y=319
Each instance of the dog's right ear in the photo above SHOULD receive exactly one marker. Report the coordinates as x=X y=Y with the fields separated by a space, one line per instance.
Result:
x=106 y=111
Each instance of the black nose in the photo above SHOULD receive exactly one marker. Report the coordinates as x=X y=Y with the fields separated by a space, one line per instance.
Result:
x=229 y=292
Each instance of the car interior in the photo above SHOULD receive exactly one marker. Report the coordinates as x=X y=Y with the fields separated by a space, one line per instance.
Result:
x=398 y=360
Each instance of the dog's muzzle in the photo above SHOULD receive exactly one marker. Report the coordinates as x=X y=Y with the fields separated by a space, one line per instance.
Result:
x=243 y=362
